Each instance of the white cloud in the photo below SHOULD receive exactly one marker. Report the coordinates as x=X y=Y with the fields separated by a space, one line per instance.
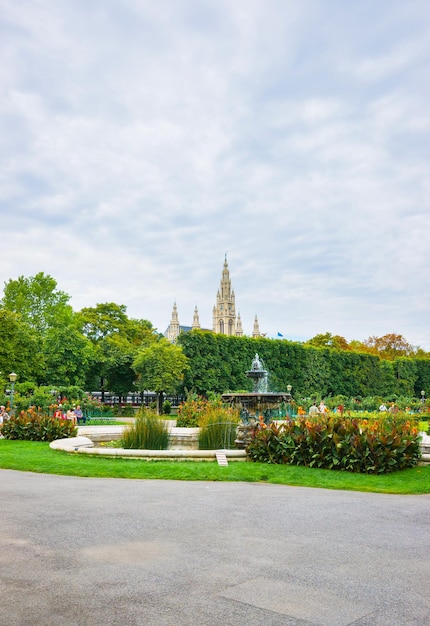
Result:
x=139 y=142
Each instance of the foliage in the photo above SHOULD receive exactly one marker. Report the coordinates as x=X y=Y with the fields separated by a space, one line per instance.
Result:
x=19 y=347
x=218 y=426
x=376 y=447
x=67 y=355
x=189 y=411
x=160 y=367
x=219 y=363
x=327 y=340
x=33 y=425
x=148 y=432
x=390 y=346
x=37 y=300
x=167 y=407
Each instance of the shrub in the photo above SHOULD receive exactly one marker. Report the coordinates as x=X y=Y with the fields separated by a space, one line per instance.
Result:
x=148 y=432
x=31 y=425
x=167 y=407
x=375 y=447
x=125 y=410
x=189 y=411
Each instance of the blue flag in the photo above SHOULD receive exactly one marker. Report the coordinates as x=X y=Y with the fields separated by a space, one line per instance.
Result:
x=279 y=335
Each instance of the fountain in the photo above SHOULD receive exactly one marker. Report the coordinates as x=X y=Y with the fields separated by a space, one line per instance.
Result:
x=258 y=405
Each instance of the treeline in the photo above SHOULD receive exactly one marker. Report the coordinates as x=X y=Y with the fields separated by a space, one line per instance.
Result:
x=219 y=363
x=46 y=343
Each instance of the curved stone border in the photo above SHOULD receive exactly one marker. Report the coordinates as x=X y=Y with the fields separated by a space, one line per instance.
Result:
x=84 y=445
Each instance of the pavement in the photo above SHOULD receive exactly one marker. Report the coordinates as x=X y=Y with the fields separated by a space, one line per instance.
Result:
x=117 y=552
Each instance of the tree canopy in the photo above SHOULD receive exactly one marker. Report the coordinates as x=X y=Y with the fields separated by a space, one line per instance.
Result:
x=160 y=367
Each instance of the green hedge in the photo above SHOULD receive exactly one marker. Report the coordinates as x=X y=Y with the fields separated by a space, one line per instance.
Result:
x=376 y=447
x=218 y=363
x=33 y=426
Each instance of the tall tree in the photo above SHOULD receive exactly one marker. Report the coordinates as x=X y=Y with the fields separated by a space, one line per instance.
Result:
x=390 y=346
x=115 y=339
x=19 y=348
x=327 y=340
x=38 y=301
x=160 y=367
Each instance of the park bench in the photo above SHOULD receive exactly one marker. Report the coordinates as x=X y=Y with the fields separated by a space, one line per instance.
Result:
x=94 y=420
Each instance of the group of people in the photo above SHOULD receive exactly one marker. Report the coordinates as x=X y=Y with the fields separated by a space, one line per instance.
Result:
x=317 y=410
x=75 y=415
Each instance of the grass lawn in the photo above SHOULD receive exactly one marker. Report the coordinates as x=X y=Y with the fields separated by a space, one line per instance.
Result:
x=34 y=456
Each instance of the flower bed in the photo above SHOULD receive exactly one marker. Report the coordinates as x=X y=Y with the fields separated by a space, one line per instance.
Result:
x=376 y=447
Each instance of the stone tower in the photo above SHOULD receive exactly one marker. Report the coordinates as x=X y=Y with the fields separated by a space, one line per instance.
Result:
x=256 y=330
x=196 y=320
x=224 y=311
x=173 y=329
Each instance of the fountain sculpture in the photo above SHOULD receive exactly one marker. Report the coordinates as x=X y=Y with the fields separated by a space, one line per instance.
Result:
x=260 y=404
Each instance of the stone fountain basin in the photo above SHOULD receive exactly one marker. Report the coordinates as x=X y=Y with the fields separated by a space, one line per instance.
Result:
x=183 y=445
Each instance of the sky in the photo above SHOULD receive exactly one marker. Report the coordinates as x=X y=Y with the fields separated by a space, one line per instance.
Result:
x=142 y=141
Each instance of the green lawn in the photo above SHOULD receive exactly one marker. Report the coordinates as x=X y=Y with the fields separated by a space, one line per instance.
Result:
x=38 y=457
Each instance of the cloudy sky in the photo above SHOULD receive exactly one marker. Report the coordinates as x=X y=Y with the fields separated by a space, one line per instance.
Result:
x=141 y=141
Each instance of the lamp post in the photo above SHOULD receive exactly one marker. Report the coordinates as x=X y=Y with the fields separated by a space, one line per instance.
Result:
x=289 y=410
x=12 y=378
x=423 y=393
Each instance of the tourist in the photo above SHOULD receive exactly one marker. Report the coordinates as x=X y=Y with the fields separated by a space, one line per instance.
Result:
x=70 y=415
x=3 y=415
x=58 y=413
x=382 y=408
x=313 y=410
x=79 y=415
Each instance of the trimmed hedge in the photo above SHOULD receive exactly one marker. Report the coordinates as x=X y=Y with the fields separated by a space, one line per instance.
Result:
x=31 y=425
x=352 y=445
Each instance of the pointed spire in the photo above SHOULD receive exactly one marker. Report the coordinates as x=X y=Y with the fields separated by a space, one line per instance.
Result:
x=196 y=321
x=224 y=313
x=173 y=329
x=239 y=329
x=256 y=330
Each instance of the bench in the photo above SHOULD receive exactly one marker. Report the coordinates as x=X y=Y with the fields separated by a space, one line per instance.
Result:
x=89 y=420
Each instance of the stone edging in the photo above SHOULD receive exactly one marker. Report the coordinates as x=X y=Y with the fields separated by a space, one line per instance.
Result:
x=83 y=445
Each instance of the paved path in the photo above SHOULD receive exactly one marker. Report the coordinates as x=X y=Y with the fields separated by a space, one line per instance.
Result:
x=109 y=552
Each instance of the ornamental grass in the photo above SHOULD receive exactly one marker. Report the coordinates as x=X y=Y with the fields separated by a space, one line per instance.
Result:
x=148 y=432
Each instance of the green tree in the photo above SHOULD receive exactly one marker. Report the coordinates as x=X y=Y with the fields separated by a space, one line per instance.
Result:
x=67 y=356
x=19 y=348
x=160 y=367
x=115 y=339
x=38 y=301
x=103 y=320
x=327 y=340
x=118 y=354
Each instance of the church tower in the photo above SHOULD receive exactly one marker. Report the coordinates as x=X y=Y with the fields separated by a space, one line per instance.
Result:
x=173 y=330
x=224 y=311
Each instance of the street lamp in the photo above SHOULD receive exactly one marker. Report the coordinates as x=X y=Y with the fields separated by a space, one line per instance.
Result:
x=12 y=378
x=423 y=393
x=289 y=410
